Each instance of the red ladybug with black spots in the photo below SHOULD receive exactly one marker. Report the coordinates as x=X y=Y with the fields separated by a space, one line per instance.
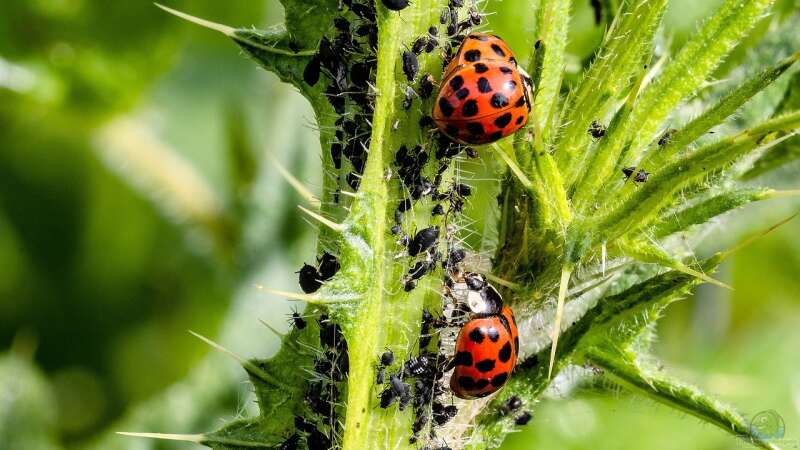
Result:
x=484 y=96
x=487 y=345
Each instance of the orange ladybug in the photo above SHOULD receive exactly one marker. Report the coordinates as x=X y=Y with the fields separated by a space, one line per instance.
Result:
x=484 y=96
x=486 y=353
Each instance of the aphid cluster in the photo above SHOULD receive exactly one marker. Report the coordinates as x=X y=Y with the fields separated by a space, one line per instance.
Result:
x=349 y=62
x=331 y=367
x=640 y=177
x=311 y=278
x=510 y=406
x=597 y=129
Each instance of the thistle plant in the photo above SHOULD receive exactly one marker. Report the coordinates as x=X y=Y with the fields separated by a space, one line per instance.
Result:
x=593 y=220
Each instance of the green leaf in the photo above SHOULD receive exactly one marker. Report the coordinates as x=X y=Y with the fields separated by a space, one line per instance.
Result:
x=626 y=48
x=553 y=23
x=692 y=66
x=641 y=207
x=788 y=151
x=308 y=20
x=622 y=366
x=715 y=115
x=681 y=77
x=701 y=212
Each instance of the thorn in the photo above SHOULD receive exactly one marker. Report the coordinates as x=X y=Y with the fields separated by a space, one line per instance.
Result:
x=329 y=223
x=196 y=438
x=783 y=194
x=509 y=284
x=248 y=366
x=271 y=328
x=758 y=236
x=526 y=182
x=224 y=29
x=282 y=337
x=689 y=271
x=603 y=256
x=295 y=183
x=231 y=33
x=308 y=298
x=350 y=194
x=562 y=294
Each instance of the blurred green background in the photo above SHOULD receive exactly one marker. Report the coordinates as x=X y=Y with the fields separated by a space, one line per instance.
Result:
x=137 y=202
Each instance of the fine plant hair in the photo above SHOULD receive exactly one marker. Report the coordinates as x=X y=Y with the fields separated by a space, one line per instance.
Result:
x=590 y=235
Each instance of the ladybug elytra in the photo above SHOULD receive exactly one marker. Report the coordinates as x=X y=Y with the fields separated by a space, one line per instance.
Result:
x=487 y=345
x=484 y=96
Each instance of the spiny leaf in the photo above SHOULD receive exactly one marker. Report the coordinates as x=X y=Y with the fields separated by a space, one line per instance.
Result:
x=692 y=66
x=716 y=114
x=707 y=209
x=681 y=77
x=639 y=209
x=621 y=366
x=648 y=252
x=788 y=151
x=627 y=44
x=553 y=23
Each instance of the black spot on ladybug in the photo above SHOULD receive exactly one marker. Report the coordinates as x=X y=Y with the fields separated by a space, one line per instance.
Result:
x=499 y=51
x=499 y=100
x=520 y=102
x=445 y=106
x=503 y=120
x=472 y=55
x=487 y=365
x=462 y=93
x=476 y=335
x=493 y=334
x=463 y=359
x=451 y=129
x=505 y=352
x=506 y=70
x=475 y=128
x=510 y=85
x=481 y=68
x=500 y=379
x=512 y=60
x=483 y=85
x=516 y=344
x=466 y=382
x=520 y=119
x=470 y=108
x=456 y=82
x=495 y=136
x=481 y=384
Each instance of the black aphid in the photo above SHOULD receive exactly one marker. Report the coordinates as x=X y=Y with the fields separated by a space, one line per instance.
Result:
x=423 y=240
x=597 y=129
x=512 y=404
x=641 y=175
x=309 y=278
x=426 y=86
x=409 y=97
x=523 y=418
x=328 y=266
x=410 y=65
x=395 y=5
